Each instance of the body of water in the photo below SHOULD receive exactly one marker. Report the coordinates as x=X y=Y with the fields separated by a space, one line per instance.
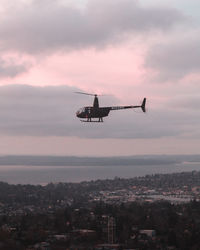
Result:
x=46 y=174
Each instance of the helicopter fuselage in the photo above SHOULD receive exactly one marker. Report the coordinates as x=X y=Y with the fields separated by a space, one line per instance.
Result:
x=91 y=112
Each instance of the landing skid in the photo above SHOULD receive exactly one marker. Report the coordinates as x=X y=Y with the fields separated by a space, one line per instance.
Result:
x=91 y=121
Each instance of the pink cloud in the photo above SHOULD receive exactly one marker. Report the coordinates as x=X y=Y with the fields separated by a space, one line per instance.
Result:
x=110 y=71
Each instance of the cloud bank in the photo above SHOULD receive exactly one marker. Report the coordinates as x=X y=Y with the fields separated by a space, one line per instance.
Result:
x=50 y=111
x=46 y=26
x=175 y=59
x=9 y=68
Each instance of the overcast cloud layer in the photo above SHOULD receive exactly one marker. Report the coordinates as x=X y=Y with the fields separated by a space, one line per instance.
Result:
x=11 y=69
x=46 y=27
x=42 y=26
x=177 y=58
x=50 y=111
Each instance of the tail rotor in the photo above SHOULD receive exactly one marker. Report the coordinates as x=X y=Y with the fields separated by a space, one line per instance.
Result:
x=143 y=106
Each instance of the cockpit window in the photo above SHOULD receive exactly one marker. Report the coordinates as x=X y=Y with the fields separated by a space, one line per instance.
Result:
x=81 y=111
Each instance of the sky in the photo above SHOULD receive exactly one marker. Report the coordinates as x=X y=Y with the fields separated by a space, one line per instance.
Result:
x=123 y=49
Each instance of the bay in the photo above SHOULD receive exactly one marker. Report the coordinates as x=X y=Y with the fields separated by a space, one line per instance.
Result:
x=46 y=174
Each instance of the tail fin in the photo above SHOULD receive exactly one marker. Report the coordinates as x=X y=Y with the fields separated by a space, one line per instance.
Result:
x=143 y=105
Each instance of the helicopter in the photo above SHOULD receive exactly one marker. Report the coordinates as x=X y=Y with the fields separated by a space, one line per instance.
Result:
x=87 y=113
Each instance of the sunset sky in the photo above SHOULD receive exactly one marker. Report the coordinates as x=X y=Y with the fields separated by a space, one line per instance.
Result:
x=124 y=49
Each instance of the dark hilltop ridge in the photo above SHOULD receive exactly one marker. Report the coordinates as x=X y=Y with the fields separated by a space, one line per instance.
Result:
x=46 y=160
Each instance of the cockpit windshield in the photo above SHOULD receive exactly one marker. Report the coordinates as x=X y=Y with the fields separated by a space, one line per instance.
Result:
x=81 y=110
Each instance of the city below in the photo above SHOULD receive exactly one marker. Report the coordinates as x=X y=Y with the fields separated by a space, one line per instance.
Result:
x=151 y=212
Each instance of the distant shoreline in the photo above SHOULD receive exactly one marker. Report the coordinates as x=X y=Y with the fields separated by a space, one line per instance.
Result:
x=36 y=175
x=45 y=160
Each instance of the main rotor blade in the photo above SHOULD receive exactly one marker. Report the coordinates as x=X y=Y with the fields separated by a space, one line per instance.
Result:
x=82 y=93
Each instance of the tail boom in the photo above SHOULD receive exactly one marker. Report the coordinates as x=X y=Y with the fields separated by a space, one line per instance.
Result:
x=143 y=106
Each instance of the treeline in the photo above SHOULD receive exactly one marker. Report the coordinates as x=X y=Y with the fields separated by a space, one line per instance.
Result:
x=176 y=226
x=31 y=194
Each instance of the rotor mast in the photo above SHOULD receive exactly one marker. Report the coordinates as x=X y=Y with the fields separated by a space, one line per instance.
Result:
x=96 y=102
